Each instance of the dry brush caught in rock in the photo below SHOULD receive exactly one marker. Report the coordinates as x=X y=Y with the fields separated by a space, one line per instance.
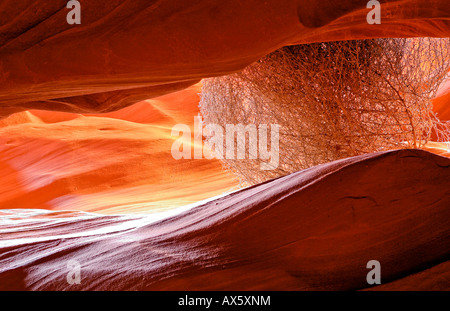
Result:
x=334 y=100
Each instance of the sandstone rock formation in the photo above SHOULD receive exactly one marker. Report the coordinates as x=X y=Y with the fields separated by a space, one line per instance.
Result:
x=314 y=229
x=126 y=51
x=69 y=141
x=118 y=162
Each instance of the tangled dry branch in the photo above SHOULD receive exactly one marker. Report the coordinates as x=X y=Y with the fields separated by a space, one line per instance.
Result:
x=334 y=100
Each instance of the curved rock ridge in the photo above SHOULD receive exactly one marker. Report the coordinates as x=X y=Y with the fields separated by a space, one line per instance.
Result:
x=312 y=230
x=105 y=163
x=127 y=51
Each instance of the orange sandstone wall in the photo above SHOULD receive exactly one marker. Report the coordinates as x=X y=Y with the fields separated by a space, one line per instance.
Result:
x=127 y=51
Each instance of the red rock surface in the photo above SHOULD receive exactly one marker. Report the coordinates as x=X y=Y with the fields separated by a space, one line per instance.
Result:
x=315 y=229
x=127 y=51
x=70 y=140
x=118 y=162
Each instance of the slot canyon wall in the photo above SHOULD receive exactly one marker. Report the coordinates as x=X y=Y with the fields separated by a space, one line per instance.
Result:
x=127 y=51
